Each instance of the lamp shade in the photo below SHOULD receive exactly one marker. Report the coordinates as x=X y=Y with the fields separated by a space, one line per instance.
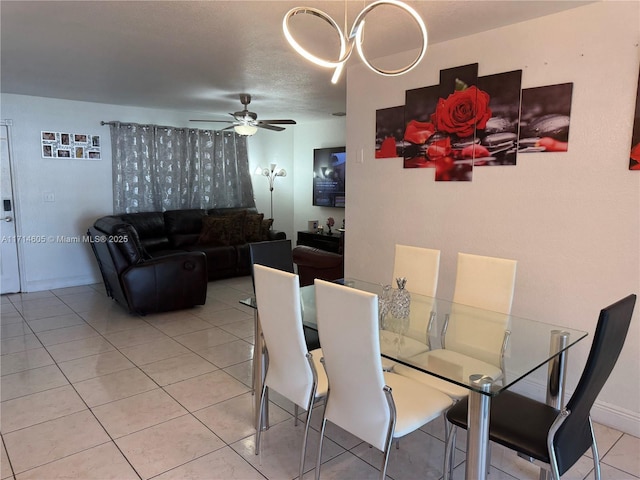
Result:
x=245 y=129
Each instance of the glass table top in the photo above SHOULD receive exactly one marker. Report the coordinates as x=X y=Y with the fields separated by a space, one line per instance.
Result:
x=454 y=341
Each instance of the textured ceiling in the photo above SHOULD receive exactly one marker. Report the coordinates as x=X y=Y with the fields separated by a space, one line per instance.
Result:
x=198 y=56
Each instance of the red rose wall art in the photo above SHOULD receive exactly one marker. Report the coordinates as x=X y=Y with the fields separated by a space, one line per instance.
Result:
x=545 y=118
x=499 y=138
x=634 y=157
x=463 y=122
x=468 y=121
x=389 y=132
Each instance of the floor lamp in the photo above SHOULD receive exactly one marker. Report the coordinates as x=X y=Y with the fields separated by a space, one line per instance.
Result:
x=271 y=175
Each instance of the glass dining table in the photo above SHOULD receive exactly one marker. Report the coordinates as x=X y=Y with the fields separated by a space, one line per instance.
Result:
x=475 y=352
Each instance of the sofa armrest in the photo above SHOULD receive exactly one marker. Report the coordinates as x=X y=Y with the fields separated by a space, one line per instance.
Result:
x=314 y=263
x=166 y=283
x=277 y=235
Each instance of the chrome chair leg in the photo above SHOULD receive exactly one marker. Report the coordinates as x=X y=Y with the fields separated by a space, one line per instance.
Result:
x=259 y=420
x=390 y=430
x=307 y=424
x=295 y=415
x=449 y=453
x=594 y=452
x=319 y=458
x=447 y=428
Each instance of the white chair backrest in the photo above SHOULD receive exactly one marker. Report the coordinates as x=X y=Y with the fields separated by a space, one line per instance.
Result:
x=420 y=266
x=477 y=333
x=279 y=309
x=348 y=329
x=485 y=282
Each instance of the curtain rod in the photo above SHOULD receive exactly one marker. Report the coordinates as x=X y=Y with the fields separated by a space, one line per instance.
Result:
x=114 y=122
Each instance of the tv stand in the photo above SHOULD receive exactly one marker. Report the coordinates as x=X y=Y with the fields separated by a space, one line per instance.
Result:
x=329 y=243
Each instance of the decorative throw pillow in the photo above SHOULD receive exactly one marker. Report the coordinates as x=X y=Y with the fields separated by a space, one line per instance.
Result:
x=253 y=227
x=215 y=231
x=266 y=226
x=236 y=227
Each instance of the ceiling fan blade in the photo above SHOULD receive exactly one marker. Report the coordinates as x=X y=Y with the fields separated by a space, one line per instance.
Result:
x=218 y=121
x=227 y=128
x=279 y=122
x=269 y=127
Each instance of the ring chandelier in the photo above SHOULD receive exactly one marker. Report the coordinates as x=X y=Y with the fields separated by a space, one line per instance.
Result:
x=355 y=37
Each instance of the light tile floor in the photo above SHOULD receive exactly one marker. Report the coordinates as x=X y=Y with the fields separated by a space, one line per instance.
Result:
x=92 y=392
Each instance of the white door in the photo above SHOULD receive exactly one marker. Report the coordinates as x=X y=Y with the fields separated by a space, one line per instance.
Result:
x=10 y=279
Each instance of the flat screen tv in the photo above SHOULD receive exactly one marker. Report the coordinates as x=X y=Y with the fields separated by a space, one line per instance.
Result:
x=329 y=176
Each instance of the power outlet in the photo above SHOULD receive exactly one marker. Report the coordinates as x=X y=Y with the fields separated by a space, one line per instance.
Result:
x=49 y=197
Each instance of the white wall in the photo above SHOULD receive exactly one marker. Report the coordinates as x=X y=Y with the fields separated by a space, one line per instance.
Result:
x=570 y=219
x=269 y=147
x=320 y=134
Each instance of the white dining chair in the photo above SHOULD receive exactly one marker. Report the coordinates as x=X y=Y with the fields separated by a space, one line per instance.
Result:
x=373 y=405
x=420 y=266
x=476 y=331
x=291 y=370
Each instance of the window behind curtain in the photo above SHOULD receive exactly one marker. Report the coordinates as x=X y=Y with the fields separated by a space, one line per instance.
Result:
x=157 y=168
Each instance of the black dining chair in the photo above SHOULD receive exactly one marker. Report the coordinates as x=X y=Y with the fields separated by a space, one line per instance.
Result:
x=278 y=254
x=555 y=439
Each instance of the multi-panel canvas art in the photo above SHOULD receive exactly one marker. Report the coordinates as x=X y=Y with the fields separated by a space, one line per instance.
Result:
x=469 y=121
x=390 y=132
x=545 y=118
x=634 y=157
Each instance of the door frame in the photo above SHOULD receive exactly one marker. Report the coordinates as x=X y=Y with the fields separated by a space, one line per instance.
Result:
x=8 y=123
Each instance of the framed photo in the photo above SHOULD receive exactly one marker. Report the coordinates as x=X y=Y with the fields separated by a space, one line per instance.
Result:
x=77 y=146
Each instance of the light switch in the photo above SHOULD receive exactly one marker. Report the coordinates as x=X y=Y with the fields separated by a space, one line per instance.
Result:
x=49 y=197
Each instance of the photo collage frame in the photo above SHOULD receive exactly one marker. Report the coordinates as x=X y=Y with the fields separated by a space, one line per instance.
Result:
x=78 y=146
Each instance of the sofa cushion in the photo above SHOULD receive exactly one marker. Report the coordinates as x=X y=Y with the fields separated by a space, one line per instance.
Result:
x=236 y=227
x=179 y=222
x=147 y=224
x=253 y=227
x=219 y=258
x=184 y=240
x=218 y=212
x=215 y=231
x=266 y=226
x=126 y=238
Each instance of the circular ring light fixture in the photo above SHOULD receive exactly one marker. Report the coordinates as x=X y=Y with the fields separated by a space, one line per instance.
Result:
x=355 y=36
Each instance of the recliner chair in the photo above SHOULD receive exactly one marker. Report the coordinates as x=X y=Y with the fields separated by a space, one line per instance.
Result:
x=143 y=284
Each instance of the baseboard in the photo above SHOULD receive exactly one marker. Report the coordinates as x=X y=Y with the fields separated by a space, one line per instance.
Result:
x=604 y=413
x=53 y=283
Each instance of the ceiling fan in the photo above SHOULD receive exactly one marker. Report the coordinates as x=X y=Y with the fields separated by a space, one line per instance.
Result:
x=246 y=123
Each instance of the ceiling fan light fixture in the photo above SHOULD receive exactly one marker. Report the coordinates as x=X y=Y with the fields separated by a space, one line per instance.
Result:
x=246 y=130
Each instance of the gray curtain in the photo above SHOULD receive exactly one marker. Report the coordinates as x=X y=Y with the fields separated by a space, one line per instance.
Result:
x=157 y=168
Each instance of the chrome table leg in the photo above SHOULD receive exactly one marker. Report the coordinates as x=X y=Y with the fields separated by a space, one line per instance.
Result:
x=556 y=379
x=478 y=428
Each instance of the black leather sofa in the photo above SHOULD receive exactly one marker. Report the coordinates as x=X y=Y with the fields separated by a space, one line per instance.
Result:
x=161 y=261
